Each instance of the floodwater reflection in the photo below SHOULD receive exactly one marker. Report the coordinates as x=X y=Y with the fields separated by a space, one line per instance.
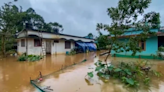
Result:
x=15 y=76
x=74 y=79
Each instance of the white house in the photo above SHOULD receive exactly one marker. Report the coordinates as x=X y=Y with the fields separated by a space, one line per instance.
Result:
x=36 y=42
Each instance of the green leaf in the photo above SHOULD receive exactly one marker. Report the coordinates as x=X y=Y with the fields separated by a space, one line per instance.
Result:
x=96 y=64
x=90 y=74
x=98 y=68
x=111 y=67
x=130 y=81
x=117 y=70
x=100 y=74
x=127 y=71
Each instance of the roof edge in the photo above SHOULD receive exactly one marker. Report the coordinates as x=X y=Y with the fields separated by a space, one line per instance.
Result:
x=58 y=34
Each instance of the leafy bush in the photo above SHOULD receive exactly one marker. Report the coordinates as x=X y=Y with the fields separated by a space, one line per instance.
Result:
x=158 y=55
x=11 y=52
x=131 y=74
x=161 y=49
x=22 y=58
x=32 y=58
x=72 y=52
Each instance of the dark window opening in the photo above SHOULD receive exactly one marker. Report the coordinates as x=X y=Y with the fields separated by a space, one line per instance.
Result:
x=160 y=41
x=142 y=44
x=37 y=42
x=22 y=42
x=67 y=45
x=56 y=41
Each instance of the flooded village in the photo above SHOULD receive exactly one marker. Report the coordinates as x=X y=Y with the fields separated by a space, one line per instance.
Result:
x=45 y=47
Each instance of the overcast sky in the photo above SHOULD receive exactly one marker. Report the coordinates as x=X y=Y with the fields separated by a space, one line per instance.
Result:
x=79 y=17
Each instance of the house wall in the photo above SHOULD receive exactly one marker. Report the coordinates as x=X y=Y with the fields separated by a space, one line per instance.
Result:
x=21 y=49
x=35 y=50
x=22 y=34
x=56 y=48
x=59 y=48
x=151 y=47
x=31 y=48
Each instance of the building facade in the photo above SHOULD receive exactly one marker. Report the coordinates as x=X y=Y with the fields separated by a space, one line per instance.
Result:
x=149 y=47
x=36 y=43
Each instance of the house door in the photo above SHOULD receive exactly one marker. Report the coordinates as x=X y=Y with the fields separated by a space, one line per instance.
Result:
x=48 y=46
x=55 y=46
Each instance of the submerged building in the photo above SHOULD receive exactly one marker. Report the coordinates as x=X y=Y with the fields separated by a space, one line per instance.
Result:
x=149 y=47
x=37 y=42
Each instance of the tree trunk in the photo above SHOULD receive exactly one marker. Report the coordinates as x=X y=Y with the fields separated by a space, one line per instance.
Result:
x=3 y=46
x=108 y=55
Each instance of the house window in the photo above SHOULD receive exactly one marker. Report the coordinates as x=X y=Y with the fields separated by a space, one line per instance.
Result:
x=67 y=45
x=37 y=42
x=142 y=44
x=56 y=41
x=22 y=42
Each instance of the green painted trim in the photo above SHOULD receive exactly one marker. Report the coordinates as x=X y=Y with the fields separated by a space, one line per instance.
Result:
x=137 y=56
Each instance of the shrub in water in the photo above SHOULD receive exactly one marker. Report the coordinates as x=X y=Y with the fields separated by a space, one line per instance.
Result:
x=22 y=58
x=29 y=58
x=131 y=74
x=72 y=52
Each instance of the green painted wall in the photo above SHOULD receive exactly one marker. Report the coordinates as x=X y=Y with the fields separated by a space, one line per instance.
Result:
x=151 y=47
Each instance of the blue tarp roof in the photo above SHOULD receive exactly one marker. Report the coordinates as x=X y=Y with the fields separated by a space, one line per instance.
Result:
x=85 y=46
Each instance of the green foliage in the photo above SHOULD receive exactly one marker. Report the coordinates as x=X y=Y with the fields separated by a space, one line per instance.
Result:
x=125 y=17
x=11 y=52
x=32 y=58
x=53 y=27
x=90 y=74
x=90 y=35
x=102 y=41
x=131 y=74
x=22 y=58
x=159 y=53
x=72 y=52
x=161 y=49
x=84 y=60
x=130 y=81
x=13 y=19
x=9 y=17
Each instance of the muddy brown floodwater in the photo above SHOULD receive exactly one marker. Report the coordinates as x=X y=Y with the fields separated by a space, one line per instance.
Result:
x=15 y=76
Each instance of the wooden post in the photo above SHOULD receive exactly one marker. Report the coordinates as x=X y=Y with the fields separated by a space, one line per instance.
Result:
x=41 y=75
x=26 y=43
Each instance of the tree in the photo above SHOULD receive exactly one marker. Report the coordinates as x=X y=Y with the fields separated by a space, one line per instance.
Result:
x=54 y=27
x=90 y=35
x=13 y=19
x=102 y=41
x=37 y=22
x=9 y=15
x=125 y=16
